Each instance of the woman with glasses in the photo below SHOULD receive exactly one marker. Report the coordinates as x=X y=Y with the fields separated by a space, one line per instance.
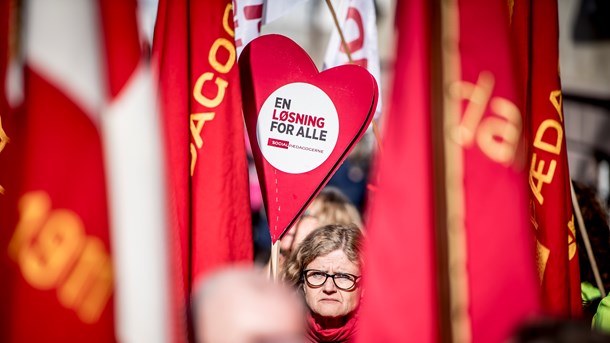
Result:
x=331 y=206
x=326 y=269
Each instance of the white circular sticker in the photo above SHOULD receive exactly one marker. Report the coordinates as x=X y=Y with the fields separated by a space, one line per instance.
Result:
x=297 y=128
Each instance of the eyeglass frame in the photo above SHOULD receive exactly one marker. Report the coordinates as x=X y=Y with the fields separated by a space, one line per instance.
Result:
x=332 y=276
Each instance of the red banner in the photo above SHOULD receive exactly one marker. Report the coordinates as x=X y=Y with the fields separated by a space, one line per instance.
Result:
x=221 y=224
x=85 y=177
x=494 y=199
x=400 y=244
x=490 y=250
x=203 y=128
x=9 y=172
x=61 y=278
x=535 y=30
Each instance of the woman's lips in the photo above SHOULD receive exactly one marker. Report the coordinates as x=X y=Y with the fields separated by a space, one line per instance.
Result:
x=329 y=300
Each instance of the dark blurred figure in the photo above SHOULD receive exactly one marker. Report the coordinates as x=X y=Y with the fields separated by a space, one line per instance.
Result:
x=558 y=331
x=352 y=176
x=595 y=219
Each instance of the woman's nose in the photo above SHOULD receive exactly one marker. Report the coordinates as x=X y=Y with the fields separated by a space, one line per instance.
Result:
x=329 y=285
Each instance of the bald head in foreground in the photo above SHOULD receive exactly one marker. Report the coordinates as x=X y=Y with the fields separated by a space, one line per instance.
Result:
x=241 y=304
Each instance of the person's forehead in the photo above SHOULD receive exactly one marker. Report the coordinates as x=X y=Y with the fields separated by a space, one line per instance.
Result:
x=274 y=315
x=336 y=260
x=305 y=226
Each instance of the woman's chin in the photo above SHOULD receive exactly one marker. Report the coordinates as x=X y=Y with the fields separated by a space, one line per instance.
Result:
x=330 y=312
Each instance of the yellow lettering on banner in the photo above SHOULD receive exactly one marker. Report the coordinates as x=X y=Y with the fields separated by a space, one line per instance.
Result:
x=198 y=88
x=198 y=119
x=542 y=258
x=193 y=158
x=542 y=252
x=225 y=20
x=557 y=100
x=537 y=173
x=497 y=136
x=552 y=147
x=478 y=97
x=549 y=138
x=53 y=251
x=230 y=47
x=90 y=285
x=3 y=140
x=45 y=262
x=34 y=208
x=571 y=239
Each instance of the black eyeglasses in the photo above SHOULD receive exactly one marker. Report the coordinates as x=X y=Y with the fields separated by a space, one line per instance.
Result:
x=343 y=281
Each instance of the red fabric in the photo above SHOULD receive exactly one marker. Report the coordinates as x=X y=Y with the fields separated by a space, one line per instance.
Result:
x=58 y=275
x=400 y=242
x=536 y=34
x=345 y=333
x=170 y=55
x=221 y=223
x=209 y=212
x=58 y=281
x=502 y=287
x=9 y=175
x=63 y=149
x=121 y=41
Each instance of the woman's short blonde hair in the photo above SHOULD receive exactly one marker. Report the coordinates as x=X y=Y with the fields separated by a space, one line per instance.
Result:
x=331 y=206
x=321 y=242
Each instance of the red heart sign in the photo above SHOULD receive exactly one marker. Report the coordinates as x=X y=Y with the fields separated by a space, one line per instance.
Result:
x=302 y=123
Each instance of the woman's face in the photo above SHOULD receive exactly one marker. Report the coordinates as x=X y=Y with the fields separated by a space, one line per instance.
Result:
x=327 y=300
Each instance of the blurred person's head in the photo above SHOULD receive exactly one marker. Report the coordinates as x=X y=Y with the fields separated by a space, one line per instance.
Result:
x=331 y=206
x=242 y=305
x=558 y=331
x=326 y=269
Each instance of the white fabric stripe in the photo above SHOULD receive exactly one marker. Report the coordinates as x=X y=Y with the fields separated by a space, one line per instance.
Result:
x=334 y=57
x=276 y=8
x=133 y=153
x=245 y=29
x=62 y=45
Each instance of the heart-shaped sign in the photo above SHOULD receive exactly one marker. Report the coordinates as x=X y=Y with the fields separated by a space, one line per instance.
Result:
x=302 y=123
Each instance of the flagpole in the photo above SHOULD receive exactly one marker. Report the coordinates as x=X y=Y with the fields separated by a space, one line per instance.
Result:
x=376 y=131
x=585 y=238
x=275 y=260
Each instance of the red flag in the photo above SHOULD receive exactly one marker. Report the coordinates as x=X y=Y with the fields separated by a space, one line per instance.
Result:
x=490 y=251
x=9 y=161
x=400 y=250
x=201 y=109
x=497 y=237
x=536 y=33
x=89 y=180
x=61 y=276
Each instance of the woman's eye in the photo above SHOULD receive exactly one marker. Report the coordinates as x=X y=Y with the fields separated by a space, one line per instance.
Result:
x=343 y=276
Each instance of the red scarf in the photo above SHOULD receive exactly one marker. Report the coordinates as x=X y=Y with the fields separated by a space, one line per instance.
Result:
x=345 y=333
